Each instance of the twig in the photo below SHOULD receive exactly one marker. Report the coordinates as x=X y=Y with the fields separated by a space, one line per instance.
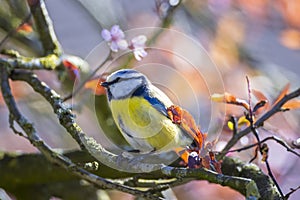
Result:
x=255 y=132
x=253 y=128
x=52 y=156
x=234 y=124
x=255 y=154
x=249 y=102
x=11 y=125
x=273 y=178
x=291 y=192
x=278 y=140
x=276 y=108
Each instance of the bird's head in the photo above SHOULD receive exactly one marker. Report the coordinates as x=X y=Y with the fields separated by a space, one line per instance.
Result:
x=123 y=83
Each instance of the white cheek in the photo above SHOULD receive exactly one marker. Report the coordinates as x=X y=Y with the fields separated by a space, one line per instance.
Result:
x=125 y=88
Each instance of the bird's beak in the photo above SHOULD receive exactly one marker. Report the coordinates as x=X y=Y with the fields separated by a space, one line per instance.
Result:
x=104 y=84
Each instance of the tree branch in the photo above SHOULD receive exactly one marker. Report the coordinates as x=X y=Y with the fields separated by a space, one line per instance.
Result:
x=245 y=186
x=42 y=172
x=266 y=187
x=45 y=27
x=49 y=62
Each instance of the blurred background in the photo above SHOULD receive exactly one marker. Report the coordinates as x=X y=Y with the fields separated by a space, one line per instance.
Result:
x=239 y=38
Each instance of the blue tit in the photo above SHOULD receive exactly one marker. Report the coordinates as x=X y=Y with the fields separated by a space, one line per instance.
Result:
x=140 y=112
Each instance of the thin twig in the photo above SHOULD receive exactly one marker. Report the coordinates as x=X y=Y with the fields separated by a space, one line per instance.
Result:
x=11 y=125
x=259 y=146
x=291 y=192
x=278 y=140
x=255 y=154
x=255 y=132
x=234 y=124
x=276 y=108
x=249 y=102
x=273 y=178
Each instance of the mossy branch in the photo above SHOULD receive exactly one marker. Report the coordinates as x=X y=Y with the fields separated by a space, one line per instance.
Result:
x=35 y=169
x=49 y=62
x=266 y=187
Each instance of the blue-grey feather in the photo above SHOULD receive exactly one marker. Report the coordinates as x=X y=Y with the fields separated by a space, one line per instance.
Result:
x=144 y=92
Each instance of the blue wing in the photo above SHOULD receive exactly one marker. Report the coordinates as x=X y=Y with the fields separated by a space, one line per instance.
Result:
x=155 y=97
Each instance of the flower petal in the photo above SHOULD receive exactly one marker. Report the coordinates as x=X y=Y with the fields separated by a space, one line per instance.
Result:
x=114 y=46
x=117 y=33
x=122 y=44
x=139 y=41
x=139 y=54
x=106 y=35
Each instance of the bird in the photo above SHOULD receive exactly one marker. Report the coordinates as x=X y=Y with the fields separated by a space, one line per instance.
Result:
x=139 y=110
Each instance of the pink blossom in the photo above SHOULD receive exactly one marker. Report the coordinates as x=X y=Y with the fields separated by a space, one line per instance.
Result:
x=137 y=46
x=115 y=38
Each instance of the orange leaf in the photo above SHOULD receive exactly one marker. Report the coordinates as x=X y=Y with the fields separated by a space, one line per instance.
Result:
x=261 y=97
x=292 y=104
x=175 y=114
x=95 y=86
x=187 y=122
x=283 y=92
x=26 y=28
x=184 y=155
x=230 y=99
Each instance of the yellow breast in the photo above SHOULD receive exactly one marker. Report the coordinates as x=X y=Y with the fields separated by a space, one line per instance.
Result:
x=144 y=127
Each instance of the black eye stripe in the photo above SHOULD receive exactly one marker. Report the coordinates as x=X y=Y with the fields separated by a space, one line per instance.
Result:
x=123 y=79
x=114 y=81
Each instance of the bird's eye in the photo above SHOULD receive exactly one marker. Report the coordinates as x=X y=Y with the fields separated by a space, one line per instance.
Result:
x=117 y=80
x=114 y=81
